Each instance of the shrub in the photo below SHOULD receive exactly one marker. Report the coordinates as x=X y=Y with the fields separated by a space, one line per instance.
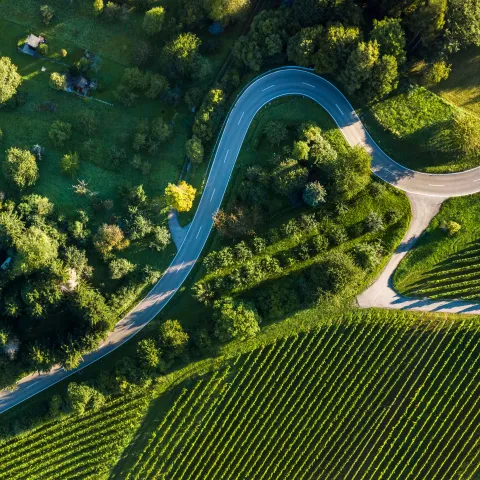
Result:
x=300 y=150
x=47 y=13
x=235 y=319
x=314 y=194
x=451 y=227
x=319 y=244
x=58 y=81
x=88 y=121
x=173 y=338
x=63 y=52
x=120 y=267
x=340 y=271
x=275 y=132
x=194 y=150
x=162 y=238
x=367 y=255
x=149 y=355
x=43 y=49
x=70 y=163
x=108 y=238
x=337 y=234
x=98 y=7
x=374 y=222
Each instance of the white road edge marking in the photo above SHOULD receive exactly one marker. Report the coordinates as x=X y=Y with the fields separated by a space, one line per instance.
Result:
x=339 y=109
x=225 y=159
x=268 y=88
x=305 y=83
x=241 y=118
x=199 y=230
x=213 y=193
x=433 y=185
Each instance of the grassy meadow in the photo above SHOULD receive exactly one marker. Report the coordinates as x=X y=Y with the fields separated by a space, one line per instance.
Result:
x=462 y=87
x=414 y=128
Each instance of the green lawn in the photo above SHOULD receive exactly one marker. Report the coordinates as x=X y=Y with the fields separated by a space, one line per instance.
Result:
x=442 y=266
x=414 y=127
x=463 y=85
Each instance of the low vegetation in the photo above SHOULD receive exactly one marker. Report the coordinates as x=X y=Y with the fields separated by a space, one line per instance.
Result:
x=445 y=262
x=373 y=395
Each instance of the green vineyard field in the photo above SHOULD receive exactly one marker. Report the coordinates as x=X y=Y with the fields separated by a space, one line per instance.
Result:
x=377 y=395
x=79 y=447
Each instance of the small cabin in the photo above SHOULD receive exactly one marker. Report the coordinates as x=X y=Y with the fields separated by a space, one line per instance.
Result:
x=32 y=43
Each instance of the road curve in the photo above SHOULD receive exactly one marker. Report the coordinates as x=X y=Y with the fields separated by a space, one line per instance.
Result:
x=264 y=89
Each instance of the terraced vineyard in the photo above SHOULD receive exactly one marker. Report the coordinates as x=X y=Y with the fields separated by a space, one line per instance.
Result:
x=457 y=277
x=81 y=446
x=378 y=395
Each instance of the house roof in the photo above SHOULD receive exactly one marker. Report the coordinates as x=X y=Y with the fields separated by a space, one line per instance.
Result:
x=80 y=82
x=34 y=41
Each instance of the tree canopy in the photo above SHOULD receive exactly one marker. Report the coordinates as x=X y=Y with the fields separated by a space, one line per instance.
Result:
x=21 y=168
x=180 y=197
x=10 y=80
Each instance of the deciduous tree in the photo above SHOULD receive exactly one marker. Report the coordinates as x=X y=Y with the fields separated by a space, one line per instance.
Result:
x=20 y=167
x=180 y=197
x=10 y=80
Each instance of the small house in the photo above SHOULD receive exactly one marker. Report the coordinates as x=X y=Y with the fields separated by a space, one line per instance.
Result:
x=80 y=84
x=32 y=43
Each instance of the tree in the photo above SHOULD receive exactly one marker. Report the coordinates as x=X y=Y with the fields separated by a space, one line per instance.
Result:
x=120 y=267
x=374 y=222
x=161 y=131
x=47 y=13
x=300 y=150
x=463 y=24
x=225 y=11
x=235 y=319
x=182 y=51
x=367 y=255
x=289 y=177
x=337 y=45
x=276 y=132
x=322 y=152
x=157 y=85
x=98 y=7
x=58 y=81
x=33 y=206
x=21 y=167
x=180 y=197
x=41 y=358
x=148 y=353
x=89 y=306
x=466 y=133
x=304 y=44
x=153 y=20
x=209 y=115
x=108 y=238
x=162 y=238
x=358 y=70
x=173 y=338
x=88 y=121
x=81 y=397
x=384 y=78
x=194 y=150
x=60 y=132
x=350 y=173
x=339 y=271
x=70 y=163
x=389 y=35
x=426 y=22
x=436 y=72
x=239 y=222
x=35 y=250
x=314 y=194
x=10 y=80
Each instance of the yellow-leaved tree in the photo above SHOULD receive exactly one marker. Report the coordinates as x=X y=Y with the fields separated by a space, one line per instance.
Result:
x=181 y=196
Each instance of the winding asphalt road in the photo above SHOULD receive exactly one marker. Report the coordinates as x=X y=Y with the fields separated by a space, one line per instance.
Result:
x=283 y=82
